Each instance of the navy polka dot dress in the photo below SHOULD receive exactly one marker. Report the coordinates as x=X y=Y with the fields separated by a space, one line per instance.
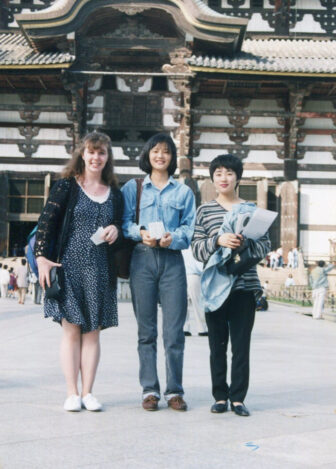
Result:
x=89 y=298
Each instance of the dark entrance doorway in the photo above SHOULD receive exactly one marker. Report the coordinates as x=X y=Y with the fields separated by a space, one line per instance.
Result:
x=18 y=233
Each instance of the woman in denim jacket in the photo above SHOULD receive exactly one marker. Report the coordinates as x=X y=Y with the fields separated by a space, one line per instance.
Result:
x=157 y=272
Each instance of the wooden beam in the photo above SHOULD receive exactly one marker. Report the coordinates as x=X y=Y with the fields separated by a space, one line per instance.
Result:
x=331 y=91
x=41 y=125
x=42 y=83
x=317 y=115
x=264 y=130
x=10 y=83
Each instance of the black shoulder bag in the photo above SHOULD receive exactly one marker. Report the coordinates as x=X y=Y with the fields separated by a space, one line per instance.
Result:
x=242 y=260
x=123 y=254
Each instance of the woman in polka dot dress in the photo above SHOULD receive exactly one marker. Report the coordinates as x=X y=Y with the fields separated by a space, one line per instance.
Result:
x=88 y=300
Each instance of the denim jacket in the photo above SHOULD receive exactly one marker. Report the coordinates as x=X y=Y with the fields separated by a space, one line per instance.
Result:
x=174 y=205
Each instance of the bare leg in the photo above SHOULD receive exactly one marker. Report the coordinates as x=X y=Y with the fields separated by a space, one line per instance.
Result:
x=71 y=355
x=90 y=354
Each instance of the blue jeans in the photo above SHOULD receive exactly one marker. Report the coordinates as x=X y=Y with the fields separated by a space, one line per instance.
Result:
x=158 y=275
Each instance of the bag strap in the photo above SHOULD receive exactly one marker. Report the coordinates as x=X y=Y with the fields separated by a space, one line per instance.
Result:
x=139 y=182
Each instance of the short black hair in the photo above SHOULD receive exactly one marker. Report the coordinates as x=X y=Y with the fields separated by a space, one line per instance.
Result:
x=23 y=261
x=229 y=162
x=321 y=263
x=144 y=163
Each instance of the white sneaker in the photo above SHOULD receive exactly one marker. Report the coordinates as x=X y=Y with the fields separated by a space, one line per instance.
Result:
x=73 y=403
x=89 y=402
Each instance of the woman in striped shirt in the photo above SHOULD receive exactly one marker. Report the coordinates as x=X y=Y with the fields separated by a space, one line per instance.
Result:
x=235 y=317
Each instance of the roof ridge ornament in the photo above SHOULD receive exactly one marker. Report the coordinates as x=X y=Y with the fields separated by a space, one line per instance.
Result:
x=131 y=10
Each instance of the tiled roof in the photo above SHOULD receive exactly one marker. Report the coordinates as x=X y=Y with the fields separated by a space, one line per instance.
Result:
x=276 y=55
x=15 y=50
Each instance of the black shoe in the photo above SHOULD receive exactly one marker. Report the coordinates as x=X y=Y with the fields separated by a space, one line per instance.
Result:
x=240 y=410
x=203 y=334
x=187 y=333
x=219 y=408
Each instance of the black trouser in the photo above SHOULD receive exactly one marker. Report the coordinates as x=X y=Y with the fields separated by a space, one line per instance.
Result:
x=234 y=318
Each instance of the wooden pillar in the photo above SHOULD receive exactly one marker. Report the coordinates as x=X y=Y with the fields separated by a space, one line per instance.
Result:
x=296 y=97
x=77 y=85
x=262 y=190
x=289 y=215
x=181 y=76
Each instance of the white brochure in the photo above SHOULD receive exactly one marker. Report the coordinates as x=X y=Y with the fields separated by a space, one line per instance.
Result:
x=255 y=225
x=156 y=229
x=96 y=237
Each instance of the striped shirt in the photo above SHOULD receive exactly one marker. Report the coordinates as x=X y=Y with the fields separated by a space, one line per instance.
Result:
x=209 y=219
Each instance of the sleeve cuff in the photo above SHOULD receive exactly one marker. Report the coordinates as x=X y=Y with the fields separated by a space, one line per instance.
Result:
x=214 y=244
x=173 y=243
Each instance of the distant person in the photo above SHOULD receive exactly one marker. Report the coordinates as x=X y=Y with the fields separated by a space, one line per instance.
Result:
x=37 y=289
x=295 y=258
x=319 y=284
x=289 y=282
x=12 y=286
x=194 y=270
x=4 y=281
x=265 y=288
x=290 y=259
x=279 y=252
x=22 y=280
x=273 y=260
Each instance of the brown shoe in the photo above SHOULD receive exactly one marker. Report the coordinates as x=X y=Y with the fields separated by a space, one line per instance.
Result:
x=150 y=402
x=177 y=403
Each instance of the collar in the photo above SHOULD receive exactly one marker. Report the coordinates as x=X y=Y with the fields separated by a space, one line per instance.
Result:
x=148 y=181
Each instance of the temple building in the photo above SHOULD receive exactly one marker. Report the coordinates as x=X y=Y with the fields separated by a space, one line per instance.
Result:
x=256 y=78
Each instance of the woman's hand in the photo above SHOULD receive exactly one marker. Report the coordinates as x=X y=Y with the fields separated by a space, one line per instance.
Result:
x=230 y=240
x=147 y=239
x=166 y=240
x=110 y=234
x=44 y=267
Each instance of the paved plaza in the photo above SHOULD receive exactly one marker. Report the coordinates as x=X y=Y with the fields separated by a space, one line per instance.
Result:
x=292 y=399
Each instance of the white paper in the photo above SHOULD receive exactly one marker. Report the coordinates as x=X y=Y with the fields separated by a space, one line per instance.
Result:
x=96 y=237
x=156 y=229
x=242 y=221
x=259 y=223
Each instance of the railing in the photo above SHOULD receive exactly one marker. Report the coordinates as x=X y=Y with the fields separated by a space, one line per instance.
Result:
x=302 y=295
x=298 y=294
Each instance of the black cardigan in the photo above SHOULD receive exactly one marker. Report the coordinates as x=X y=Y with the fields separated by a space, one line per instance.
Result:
x=50 y=221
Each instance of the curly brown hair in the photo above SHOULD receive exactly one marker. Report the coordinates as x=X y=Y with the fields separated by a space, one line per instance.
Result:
x=76 y=166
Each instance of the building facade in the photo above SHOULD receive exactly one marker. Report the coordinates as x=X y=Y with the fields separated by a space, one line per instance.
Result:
x=253 y=78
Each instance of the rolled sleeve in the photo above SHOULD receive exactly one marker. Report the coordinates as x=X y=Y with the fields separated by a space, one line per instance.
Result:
x=182 y=236
x=130 y=228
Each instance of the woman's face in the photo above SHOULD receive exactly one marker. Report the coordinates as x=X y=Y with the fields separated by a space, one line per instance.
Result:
x=160 y=157
x=225 y=181
x=95 y=158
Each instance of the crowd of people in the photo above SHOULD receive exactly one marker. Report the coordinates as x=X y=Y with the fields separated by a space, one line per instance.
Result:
x=16 y=282
x=275 y=259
